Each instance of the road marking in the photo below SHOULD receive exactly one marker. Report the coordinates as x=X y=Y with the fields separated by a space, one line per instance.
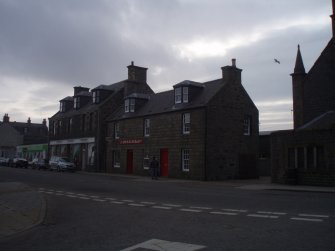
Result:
x=235 y=210
x=148 y=202
x=71 y=196
x=99 y=200
x=94 y=196
x=161 y=207
x=263 y=216
x=171 y=205
x=136 y=205
x=81 y=194
x=49 y=192
x=59 y=194
x=314 y=215
x=275 y=213
x=155 y=244
x=109 y=198
x=223 y=213
x=306 y=219
x=190 y=210
x=70 y=193
x=60 y=191
x=84 y=198
x=127 y=200
x=117 y=202
x=202 y=208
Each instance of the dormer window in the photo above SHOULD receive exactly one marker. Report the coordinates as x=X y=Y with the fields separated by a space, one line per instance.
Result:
x=62 y=107
x=181 y=95
x=76 y=103
x=129 y=105
x=96 y=97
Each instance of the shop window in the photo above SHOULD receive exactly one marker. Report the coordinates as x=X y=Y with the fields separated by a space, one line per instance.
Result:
x=116 y=159
x=186 y=123
x=186 y=160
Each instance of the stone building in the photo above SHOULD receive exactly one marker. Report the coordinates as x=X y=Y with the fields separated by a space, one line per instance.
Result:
x=306 y=155
x=13 y=134
x=205 y=131
x=78 y=129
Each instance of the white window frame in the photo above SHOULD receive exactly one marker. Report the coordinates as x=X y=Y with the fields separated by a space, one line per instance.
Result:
x=96 y=97
x=76 y=103
x=116 y=159
x=185 y=94
x=186 y=123
x=126 y=105
x=178 y=95
x=116 y=130
x=146 y=127
x=247 y=126
x=62 y=107
x=185 y=160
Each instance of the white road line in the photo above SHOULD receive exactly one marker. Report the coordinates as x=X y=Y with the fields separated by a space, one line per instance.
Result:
x=109 y=198
x=171 y=205
x=81 y=194
x=275 y=213
x=222 y=213
x=71 y=196
x=117 y=202
x=60 y=191
x=84 y=198
x=41 y=188
x=160 y=207
x=49 y=192
x=70 y=193
x=99 y=200
x=136 y=205
x=202 y=208
x=59 y=194
x=190 y=210
x=94 y=196
x=306 y=219
x=127 y=200
x=263 y=216
x=235 y=210
x=148 y=202
x=314 y=215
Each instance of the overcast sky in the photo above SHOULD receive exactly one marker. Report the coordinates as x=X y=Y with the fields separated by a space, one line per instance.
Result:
x=49 y=46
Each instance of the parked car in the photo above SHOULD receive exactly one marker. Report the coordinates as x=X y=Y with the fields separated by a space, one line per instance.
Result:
x=61 y=164
x=20 y=162
x=4 y=161
x=39 y=164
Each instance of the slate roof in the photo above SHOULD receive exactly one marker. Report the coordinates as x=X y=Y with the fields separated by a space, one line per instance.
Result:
x=323 y=122
x=165 y=101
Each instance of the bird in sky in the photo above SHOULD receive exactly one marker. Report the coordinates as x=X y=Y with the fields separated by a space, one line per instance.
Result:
x=277 y=61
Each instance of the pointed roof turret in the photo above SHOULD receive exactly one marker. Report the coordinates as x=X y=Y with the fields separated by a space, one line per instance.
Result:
x=333 y=17
x=299 y=64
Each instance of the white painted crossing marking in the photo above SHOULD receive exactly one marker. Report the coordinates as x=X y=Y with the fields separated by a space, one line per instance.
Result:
x=275 y=213
x=235 y=210
x=71 y=196
x=70 y=193
x=81 y=194
x=94 y=196
x=136 y=205
x=202 y=208
x=161 y=207
x=306 y=219
x=84 y=198
x=59 y=194
x=59 y=191
x=263 y=216
x=171 y=205
x=148 y=202
x=222 y=213
x=117 y=202
x=314 y=215
x=190 y=210
x=49 y=192
x=155 y=244
x=99 y=200
x=127 y=200
x=109 y=198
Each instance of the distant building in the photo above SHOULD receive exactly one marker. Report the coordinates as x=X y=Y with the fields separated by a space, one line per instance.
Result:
x=78 y=129
x=13 y=134
x=306 y=155
x=205 y=131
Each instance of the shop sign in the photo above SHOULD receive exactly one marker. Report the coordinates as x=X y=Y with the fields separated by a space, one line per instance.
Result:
x=130 y=141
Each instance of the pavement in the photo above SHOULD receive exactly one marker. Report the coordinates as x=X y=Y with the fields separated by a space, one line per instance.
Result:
x=22 y=207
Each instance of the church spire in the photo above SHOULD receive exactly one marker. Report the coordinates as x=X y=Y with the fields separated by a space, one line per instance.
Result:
x=299 y=64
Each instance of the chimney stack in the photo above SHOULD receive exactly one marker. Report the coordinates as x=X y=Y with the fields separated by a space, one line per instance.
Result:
x=29 y=121
x=231 y=73
x=5 y=118
x=137 y=73
x=44 y=122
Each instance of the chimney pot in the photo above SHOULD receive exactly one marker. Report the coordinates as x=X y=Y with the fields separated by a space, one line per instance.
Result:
x=233 y=62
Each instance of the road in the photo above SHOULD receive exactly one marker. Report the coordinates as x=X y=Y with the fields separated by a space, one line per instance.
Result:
x=107 y=212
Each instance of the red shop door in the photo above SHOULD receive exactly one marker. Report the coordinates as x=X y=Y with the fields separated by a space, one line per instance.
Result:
x=164 y=162
x=130 y=161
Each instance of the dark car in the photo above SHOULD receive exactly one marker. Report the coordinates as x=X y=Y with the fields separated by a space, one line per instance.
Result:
x=20 y=162
x=39 y=164
x=4 y=161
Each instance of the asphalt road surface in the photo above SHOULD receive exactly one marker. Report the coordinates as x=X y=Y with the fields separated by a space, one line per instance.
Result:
x=104 y=212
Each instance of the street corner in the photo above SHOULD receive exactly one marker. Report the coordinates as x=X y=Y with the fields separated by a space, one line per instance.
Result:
x=21 y=208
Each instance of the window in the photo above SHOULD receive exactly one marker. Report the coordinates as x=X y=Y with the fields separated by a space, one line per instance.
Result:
x=177 y=97
x=185 y=94
x=76 y=103
x=70 y=125
x=116 y=159
x=186 y=123
x=62 y=107
x=129 y=105
x=96 y=97
x=185 y=160
x=147 y=127
x=116 y=130
x=247 y=126
x=181 y=95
